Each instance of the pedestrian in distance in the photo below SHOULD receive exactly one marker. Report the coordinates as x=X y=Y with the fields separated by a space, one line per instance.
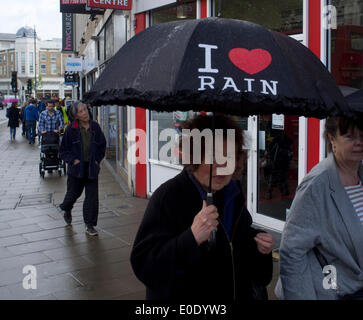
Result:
x=83 y=147
x=172 y=255
x=324 y=227
x=13 y=114
x=41 y=106
x=31 y=118
x=50 y=120
x=22 y=119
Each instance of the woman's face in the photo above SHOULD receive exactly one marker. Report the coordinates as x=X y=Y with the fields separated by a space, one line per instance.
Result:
x=348 y=147
x=221 y=173
x=218 y=181
x=82 y=113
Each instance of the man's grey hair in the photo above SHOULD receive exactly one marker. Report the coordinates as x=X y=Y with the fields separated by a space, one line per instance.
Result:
x=74 y=109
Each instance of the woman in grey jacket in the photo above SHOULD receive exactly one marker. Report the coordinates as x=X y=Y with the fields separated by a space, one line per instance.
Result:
x=326 y=222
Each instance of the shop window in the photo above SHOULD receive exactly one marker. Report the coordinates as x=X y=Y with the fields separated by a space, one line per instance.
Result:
x=345 y=44
x=169 y=120
x=159 y=122
x=109 y=41
x=183 y=10
x=277 y=164
x=284 y=16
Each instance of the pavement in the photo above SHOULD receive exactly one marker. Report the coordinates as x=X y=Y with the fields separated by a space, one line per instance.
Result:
x=69 y=264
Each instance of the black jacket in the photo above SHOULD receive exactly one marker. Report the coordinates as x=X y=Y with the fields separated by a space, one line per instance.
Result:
x=71 y=149
x=13 y=114
x=167 y=259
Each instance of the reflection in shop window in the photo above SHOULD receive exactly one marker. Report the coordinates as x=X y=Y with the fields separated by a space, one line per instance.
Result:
x=181 y=11
x=345 y=44
x=357 y=41
x=284 y=16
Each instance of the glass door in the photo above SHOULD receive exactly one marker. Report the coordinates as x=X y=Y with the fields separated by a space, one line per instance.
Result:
x=275 y=165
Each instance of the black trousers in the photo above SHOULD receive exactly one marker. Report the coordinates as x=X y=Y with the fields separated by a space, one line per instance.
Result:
x=75 y=187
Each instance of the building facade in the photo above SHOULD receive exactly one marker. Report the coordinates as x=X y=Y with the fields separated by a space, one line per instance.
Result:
x=33 y=59
x=332 y=29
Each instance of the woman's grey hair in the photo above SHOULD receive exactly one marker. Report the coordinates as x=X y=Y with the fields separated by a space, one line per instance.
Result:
x=74 y=109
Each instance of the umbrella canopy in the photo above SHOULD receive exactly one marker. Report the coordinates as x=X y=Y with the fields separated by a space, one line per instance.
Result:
x=220 y=65
x=346 y=91
x=11 y=100
x=355 y=102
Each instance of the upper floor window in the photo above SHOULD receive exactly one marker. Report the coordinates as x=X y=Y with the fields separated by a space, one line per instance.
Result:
x=43 y=57
x=31 y=62
x=23 y=62
x=53 y=57
x=53 y=69
x=43 y=68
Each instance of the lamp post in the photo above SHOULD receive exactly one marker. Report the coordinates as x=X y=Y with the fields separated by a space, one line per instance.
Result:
x=35 y=64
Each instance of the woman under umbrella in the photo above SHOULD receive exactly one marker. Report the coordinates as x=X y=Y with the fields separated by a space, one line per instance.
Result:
x=13 y=114
x=171 y=255
x=325 y=223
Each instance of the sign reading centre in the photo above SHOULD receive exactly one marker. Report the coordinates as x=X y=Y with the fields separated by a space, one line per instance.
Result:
x=111 y=4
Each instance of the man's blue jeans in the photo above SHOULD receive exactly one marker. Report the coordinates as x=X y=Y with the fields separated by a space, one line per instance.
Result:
x=30 y=130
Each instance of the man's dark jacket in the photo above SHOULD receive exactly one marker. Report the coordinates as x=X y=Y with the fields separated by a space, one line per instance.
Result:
x=168 y=260
x=71 y=149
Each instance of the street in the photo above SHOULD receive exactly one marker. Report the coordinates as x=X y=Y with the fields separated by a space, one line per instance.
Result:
x=68 y=263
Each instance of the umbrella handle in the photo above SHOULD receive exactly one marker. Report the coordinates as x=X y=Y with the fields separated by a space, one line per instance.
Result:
x=212 y=237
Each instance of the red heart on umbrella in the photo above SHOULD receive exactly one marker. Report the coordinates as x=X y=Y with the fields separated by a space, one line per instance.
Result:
x=250 y=61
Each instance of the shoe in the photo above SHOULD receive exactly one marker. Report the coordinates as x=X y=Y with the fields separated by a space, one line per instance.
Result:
x=90 y=230
x=67 y=217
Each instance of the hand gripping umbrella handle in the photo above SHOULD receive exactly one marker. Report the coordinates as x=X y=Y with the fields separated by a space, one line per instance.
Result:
x=212 y=236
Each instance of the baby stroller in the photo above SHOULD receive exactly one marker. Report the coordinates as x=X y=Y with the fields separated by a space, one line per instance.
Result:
x=49 y=154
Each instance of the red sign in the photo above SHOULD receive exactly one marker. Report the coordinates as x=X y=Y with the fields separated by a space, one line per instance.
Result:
x=111 y=4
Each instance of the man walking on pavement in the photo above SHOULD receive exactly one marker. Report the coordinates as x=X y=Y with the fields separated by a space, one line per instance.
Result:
x=50 y=120
x=31 y=118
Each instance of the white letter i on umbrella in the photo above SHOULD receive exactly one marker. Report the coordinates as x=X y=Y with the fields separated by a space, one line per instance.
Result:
x=208 y=58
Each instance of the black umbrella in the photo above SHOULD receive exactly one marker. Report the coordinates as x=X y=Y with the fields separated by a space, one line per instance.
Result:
x=221 y=65
x=355 y=102
x=346 y=91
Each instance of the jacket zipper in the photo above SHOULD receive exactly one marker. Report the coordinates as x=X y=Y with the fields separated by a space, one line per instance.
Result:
x=232 y=255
